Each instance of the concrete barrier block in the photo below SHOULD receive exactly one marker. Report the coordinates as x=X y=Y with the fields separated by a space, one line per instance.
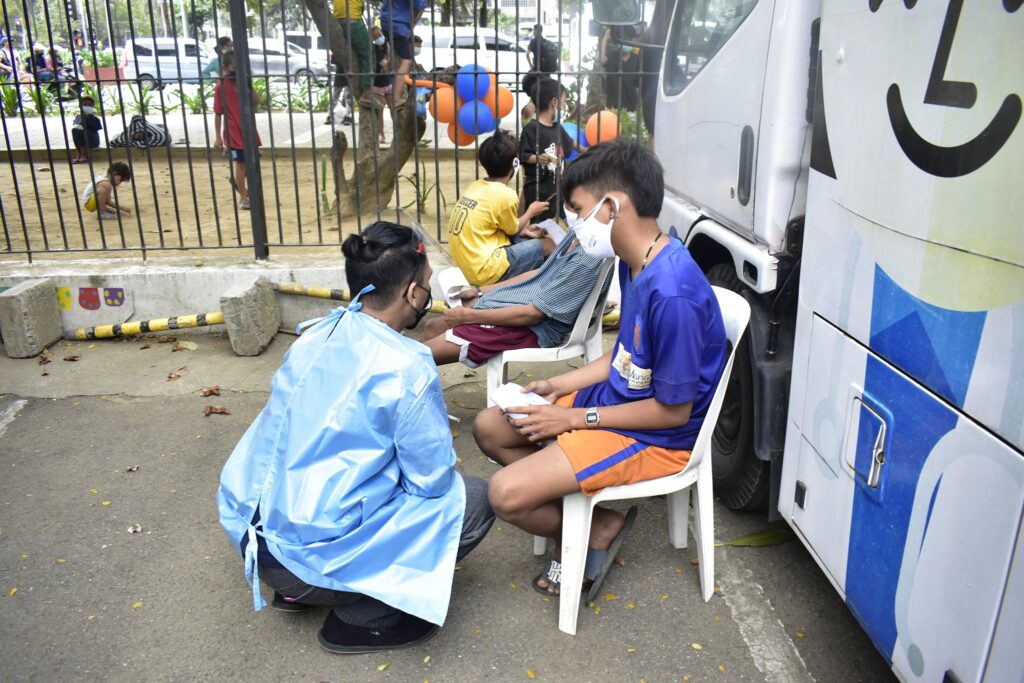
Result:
x=251 y=316
x=29 y=318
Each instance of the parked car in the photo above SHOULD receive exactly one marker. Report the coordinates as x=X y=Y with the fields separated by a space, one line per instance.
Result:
x=154 y=61
x=272 y=57
x=444 y=46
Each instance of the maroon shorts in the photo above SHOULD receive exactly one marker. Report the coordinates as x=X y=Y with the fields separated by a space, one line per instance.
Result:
x=480 y=342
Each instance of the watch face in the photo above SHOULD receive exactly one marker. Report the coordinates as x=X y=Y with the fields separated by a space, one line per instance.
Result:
x=592 y=416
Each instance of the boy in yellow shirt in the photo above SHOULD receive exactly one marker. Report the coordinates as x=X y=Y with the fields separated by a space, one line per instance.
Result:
x=488 y=241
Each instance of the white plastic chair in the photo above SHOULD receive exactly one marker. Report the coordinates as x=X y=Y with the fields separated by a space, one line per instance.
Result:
x=577 y=508
x=584 y=339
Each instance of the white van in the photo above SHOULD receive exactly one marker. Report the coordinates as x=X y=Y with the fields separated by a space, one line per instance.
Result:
x=444 y=46
x=152 y=61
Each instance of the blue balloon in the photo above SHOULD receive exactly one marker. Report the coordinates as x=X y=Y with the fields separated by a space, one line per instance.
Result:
x=472 y=82
x=576 y=134
x=476 y=118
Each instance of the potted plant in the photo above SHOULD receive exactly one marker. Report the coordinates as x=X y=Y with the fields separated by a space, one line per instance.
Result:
x=100 y=67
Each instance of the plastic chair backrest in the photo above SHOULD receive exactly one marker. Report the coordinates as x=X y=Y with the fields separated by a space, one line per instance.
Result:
x=587 y=318
x=735 y=315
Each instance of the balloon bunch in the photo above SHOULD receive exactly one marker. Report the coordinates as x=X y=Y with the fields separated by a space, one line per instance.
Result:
x=473 y=107
x=601 y=127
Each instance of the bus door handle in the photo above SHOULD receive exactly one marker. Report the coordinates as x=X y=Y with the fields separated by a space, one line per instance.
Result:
x=746 y=171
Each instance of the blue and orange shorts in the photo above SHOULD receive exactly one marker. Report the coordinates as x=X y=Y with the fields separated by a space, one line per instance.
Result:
x=602 y=458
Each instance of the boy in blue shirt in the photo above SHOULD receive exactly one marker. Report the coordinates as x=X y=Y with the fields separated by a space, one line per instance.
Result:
x=633 y=414
x=397 y=18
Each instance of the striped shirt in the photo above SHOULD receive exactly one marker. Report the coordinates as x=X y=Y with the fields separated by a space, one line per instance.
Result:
x=558 y=289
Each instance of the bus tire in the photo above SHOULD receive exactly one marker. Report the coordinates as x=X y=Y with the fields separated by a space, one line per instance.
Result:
x=741 y=480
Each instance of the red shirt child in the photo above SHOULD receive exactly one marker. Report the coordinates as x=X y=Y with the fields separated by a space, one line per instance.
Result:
x=225 y=103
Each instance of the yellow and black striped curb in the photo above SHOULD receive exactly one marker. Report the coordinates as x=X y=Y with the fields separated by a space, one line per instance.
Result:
x=180 y=322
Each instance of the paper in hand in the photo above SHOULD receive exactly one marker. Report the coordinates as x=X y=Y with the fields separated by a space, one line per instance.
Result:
x=510 y=395
x=554 y=230
x=453 y=283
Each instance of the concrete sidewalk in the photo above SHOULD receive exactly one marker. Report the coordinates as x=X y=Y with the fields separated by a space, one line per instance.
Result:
x=91 y=447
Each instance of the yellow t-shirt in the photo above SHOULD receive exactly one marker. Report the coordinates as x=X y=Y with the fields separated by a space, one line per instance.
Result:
x=479 y=226
x=354 y=7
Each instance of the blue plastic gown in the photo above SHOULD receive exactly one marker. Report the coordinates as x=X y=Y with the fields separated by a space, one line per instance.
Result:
x=352 y=467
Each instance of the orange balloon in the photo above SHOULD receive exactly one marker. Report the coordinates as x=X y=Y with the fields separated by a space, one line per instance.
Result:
x=499 y=101
x=444 y=104
x=602 y=127
x=463 y=138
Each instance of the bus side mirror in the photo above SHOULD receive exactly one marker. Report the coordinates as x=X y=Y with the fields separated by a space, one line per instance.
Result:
x=618 y=12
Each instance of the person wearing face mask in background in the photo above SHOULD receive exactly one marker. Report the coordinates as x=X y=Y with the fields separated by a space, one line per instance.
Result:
x=343 y=492
x=633 y=414
x=542 y=146
x=85 y=132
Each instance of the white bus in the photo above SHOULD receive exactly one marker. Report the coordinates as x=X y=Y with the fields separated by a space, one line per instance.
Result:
x=854 y=168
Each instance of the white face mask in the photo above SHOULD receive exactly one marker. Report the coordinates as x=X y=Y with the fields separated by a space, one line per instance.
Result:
x=88 y=110
x=571 y=218
x=378 y=41
x=515 y=169
x=596 y=237
x=417 y=50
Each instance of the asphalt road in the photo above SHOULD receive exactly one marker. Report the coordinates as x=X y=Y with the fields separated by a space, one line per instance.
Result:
x=106 y=442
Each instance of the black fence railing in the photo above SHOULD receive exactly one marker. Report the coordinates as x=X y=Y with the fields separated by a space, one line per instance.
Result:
x=326 y=162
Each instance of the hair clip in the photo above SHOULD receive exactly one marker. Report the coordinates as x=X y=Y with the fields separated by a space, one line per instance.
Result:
x=419 y=249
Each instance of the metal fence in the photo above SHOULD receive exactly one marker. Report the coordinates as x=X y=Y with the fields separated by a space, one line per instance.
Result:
x=321 y=172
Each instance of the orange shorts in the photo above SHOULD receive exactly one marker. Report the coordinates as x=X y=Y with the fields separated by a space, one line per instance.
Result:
x=602 y=458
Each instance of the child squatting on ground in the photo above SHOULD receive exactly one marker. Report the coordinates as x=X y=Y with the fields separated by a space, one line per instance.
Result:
x=99 y=194
x=225 y=107
x=86 y=130
x=633 y=414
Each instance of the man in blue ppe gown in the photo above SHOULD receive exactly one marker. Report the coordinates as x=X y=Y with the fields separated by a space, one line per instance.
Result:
x=343 y=492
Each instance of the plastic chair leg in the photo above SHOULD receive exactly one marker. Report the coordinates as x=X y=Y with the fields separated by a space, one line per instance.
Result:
x=540 y=545
x=495 y=376
x=593 y=348
x=576 y=511
x=705 y=526
x=678 y=517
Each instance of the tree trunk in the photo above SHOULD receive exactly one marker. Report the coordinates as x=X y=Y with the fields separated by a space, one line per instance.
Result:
x=376 y=171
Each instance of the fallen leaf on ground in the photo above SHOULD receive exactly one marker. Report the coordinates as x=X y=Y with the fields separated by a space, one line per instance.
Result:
x=136 y=605
x=609 y=596
x=383 y=667
x=664 y=596
x=71 y=358
x=694 y=561
x=718 y=617
x=761 y=539
x=696 y=646
x=800 y=634
x=455 y=433
x=215 y=410
x=630 y=605
x=94 y=490
x=60 y=561
x=177 y=374
x=135 y=528
x=11 y=592
x=144 y=347
x=166 y=340
x=45 y=374
x=721 y=667
x=43 y=360
x=619 y=561
x=133 y=468
x=630 y=649
x=105 y=503
x=514 y=585
x=426 y=660
x=597 y=610
x=185 y=346
x=211 y=391
x=531 y=674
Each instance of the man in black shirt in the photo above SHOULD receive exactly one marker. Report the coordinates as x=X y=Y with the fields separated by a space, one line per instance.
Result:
x=541 y=53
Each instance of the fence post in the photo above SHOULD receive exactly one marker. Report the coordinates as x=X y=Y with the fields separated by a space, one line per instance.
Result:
x=243 y=76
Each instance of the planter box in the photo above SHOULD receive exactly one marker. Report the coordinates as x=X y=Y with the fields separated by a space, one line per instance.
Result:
x=104 y=74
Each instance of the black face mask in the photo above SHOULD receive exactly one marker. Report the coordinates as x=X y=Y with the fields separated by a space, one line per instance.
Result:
x=423 y=311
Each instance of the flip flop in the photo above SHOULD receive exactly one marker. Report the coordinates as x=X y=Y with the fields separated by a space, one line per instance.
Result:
x=600 y=560
x=609 y=555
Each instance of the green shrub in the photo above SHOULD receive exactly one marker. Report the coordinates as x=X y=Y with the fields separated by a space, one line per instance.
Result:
x=9 y=99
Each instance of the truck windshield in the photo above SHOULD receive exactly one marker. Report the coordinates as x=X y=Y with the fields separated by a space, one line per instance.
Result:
x=699 y=29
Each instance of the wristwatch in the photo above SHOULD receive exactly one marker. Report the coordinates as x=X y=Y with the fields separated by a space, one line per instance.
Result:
x=479 y=292
x=593 y=418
